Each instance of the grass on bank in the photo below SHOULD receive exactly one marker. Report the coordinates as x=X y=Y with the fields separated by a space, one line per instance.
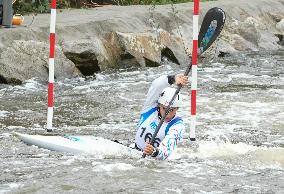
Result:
x=43 y=6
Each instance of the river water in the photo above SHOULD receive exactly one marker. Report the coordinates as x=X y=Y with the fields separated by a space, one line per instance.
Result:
x=240 y=132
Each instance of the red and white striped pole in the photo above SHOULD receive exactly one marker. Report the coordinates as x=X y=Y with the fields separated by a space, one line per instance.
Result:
x=51 y=66
x=194 y=60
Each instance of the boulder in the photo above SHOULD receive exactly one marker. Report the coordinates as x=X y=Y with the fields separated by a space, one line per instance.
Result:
x=24 y=60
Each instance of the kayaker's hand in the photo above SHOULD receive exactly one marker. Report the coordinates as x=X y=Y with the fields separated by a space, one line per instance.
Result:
x=148 y=150
x=181 y=79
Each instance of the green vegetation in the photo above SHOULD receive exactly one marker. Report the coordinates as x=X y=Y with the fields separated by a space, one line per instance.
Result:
x=43 y=6
x=40 y=6
x=149 y=2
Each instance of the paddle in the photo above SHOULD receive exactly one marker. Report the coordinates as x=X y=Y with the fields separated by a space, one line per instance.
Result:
x=210 y=29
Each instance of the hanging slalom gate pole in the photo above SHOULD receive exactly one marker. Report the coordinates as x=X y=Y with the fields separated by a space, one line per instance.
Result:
x=51 y=66
x=194 y=60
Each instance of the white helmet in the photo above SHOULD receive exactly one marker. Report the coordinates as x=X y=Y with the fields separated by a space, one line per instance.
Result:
x=167 y=95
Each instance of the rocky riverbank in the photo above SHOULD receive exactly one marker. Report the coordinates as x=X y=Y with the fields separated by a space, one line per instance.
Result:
x=93 y=40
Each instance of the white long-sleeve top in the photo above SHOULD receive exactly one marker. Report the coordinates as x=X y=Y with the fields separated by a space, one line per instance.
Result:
x=170 y=133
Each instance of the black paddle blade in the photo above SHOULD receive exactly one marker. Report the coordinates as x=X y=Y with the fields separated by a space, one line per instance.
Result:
x=211 y=27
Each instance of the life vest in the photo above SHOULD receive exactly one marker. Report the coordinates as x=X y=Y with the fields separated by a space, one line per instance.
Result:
x=148 y=123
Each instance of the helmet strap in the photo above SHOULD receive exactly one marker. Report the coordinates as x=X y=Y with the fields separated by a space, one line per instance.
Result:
x=159 y=113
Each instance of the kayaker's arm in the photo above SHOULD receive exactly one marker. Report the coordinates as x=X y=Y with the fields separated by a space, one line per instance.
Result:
x=170 y=142
x=156 y=88
x=168 y=145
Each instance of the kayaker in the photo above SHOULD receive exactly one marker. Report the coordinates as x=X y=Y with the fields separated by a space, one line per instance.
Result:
x=171 y=132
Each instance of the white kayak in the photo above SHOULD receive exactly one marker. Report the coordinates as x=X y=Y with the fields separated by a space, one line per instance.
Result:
x=88 y=145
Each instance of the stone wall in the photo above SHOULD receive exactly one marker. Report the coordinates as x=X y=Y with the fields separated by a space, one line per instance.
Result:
x=93 y=40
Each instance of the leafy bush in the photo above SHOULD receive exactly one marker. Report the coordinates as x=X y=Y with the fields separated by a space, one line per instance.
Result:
x=43 y=6
x=40 y=6
x=149 y=2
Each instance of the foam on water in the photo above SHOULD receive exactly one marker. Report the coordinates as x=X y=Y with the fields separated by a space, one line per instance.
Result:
x=242 y=75
x=4 y=113
x=208 y=149
x=69 y=161
x=30 y=85
x=5 y=135
x=9 y=187
x=268 y=156
x=112 y=167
